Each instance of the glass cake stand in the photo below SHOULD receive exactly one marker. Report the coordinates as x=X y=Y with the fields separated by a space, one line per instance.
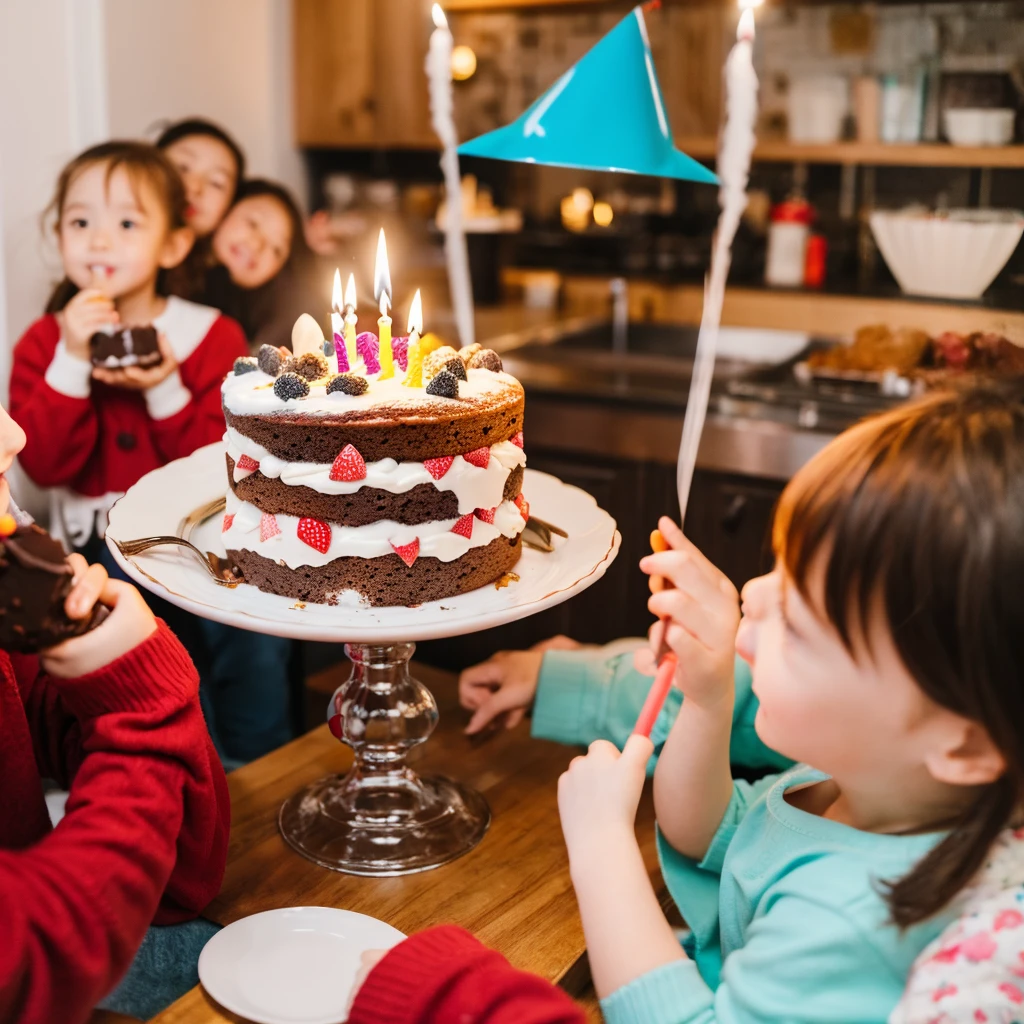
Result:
x=380 y=817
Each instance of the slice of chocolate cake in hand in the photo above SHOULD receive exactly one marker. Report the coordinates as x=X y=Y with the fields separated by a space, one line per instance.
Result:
x=130 y=346
x=35 y=579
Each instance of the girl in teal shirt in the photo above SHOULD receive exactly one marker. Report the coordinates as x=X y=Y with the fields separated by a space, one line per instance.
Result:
x=887 y=651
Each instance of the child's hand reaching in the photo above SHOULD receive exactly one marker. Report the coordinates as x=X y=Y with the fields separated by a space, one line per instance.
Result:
x=88 y=312
x=598 y=796
x=137 y=378
x=129 y=623
x=703 y=612
x=505 y=684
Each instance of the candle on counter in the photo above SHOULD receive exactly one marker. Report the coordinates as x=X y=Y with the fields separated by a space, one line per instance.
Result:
x=338 y=327
x=442 y=110
x=350 y=318
x=414 y=371
x=382 y=292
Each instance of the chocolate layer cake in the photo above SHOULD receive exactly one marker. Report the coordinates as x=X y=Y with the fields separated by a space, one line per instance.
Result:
x=403 y=489
x=130 y=346
x=35 y=580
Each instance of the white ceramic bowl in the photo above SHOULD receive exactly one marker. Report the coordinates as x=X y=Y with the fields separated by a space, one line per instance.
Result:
x=977 y=126
x=955 y=255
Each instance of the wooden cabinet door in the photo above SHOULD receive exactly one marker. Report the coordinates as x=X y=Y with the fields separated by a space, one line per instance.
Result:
x=401 y=36
x=335 y=87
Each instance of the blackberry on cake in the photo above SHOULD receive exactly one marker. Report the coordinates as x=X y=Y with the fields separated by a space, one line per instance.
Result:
x=245 y=364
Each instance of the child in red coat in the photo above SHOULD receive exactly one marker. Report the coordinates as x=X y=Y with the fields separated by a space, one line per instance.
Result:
x=113 y=714
x=94 y=431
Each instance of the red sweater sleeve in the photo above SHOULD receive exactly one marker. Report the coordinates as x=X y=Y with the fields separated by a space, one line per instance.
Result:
x=62 y=429
x=444 y=975
x=201 y=421
x=147 y=817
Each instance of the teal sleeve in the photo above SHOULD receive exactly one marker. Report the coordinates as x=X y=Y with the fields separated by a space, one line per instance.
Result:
x=694 y=887
x=596 y=693
x=803 y=962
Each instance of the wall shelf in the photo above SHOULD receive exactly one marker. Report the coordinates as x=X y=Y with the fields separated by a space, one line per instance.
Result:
x=924 y=154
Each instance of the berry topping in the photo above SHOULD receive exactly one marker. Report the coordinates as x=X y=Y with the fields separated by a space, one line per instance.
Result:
x=486 y=359
x=444 y=385
x=438 y=467
x=268 y=526
x=464 y=527
x=245 y=364
x=400 y=350
x=315 y=533
x=291 y=385
x=456 y=368
x=349 y=465
x=229 y=518
x=434 y=362
x=269 y=359
x=245 y=464
x=486 y=514
x=517 y=439
x=334 y=723
x=347 y=384
x=523 y=505
x=310 y=365
x=408 y=553
x=368 y=347
x=479 y=457
x=328 y=348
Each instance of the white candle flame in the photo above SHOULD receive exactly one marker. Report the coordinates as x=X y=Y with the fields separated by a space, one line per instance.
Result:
x=415 y=314
x=350 y=291
x=336 y=290
x=440 y=21
x=382 y=275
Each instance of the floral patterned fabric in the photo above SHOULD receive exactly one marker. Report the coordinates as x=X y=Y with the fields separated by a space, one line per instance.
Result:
x=973 y=972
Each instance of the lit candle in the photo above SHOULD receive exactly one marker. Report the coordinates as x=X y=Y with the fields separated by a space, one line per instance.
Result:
x=350 y=318
x=382 y=292
x=414 y=373
x=344 y=359
x=442 y=108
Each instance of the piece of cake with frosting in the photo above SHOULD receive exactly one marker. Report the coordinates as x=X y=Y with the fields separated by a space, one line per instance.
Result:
x=401 y=491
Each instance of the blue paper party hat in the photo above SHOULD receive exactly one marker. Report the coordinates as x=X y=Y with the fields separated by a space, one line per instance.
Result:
x=606 y=113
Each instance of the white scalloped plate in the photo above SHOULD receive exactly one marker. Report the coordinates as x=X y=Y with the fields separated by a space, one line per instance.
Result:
x=159 y=502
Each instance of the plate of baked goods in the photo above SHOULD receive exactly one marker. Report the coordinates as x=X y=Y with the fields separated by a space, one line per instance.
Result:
x=343 y=573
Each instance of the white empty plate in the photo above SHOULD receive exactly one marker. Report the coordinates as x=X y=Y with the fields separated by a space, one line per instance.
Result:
x=291 y=966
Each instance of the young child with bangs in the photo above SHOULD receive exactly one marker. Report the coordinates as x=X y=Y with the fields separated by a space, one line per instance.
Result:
x=885 y=653
x=120 y=212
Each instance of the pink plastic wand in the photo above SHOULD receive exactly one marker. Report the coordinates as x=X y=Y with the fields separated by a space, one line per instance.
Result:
x=666 y=665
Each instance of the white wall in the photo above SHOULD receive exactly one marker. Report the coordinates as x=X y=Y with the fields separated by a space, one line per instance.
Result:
x=228 y=60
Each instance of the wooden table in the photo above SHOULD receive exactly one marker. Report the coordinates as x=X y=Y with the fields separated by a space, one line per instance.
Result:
x=513 y=891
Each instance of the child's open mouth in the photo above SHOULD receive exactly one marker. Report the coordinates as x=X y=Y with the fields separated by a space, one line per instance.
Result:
x=101 y=270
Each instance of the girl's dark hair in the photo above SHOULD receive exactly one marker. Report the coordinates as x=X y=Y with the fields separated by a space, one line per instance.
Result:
x=922 y=508
x=142 y=162
x=198 y=126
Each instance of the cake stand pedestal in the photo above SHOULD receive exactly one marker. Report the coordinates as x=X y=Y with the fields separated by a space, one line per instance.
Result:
x=380 y=818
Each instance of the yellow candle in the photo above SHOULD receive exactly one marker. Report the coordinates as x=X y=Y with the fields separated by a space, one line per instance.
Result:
x=387 y=359
x=414 y=373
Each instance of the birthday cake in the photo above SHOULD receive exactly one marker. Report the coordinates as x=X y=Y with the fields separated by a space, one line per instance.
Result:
x=403 y=488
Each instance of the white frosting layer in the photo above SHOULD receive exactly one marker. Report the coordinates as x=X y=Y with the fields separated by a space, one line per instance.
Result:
x=474 y=486
x=252 y=394
x=371 y=541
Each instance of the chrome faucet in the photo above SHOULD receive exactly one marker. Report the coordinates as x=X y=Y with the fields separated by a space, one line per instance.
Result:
x=620 y=314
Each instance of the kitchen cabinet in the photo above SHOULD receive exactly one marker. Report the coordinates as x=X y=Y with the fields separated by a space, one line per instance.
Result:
x=359 y=78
